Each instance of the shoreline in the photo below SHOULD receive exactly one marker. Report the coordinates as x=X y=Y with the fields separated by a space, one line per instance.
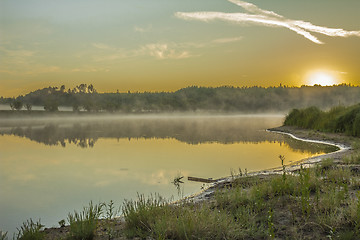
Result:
x=343 y=143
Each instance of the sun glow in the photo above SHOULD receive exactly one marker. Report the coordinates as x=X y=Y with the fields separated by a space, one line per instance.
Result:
x=323 y=78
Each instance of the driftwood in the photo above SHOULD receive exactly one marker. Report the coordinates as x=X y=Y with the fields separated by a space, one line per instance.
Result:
x=203 y=180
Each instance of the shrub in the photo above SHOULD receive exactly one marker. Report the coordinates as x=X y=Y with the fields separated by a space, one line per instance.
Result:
x=338 y=119
x=3 y=235
x=30 y=231
x=139 y=214
x=83 y=224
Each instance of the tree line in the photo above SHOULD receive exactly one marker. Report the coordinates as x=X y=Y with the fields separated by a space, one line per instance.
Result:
x=192 y=131
x=221 y=99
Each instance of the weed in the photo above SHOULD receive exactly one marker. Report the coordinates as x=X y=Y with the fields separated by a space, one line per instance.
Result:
x=326 y=164
x=354 y=212
x=356 y=144
x=139 y=214
x=240 y=172
x=282 y=159
x=305 y=191
x=110 y=214
x=177 y=183
x=62 y=223
x=271 y=228
x=340 y=175
x=83 y=224
x=3 y=235
x=353 y=159
x=30 y=230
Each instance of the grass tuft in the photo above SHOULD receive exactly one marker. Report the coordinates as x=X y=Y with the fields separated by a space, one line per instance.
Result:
x=30 y=230
x=3 y=235
x=83 y=224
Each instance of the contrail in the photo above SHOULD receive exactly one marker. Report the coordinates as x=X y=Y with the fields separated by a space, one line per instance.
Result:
x=262 y=17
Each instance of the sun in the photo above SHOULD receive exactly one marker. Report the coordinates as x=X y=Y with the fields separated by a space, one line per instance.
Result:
x=323 y=78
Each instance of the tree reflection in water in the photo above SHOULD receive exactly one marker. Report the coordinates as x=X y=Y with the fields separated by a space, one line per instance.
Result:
x=196 y=130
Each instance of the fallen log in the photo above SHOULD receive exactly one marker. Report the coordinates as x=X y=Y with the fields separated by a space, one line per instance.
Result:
x=203 y=180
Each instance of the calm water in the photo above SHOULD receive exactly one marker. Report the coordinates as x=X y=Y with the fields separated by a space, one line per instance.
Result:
x=52 y=166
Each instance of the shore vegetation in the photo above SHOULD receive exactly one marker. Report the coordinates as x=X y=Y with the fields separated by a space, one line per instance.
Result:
x=338 y=119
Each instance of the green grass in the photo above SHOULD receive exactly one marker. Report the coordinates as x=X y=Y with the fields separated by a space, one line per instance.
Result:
x=3 y=235
x=313 y=203
x=83 y=224
x=154 y=217
x=30 y=230
x=339 y=119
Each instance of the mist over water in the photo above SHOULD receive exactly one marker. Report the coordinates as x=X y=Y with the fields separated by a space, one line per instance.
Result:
x=53 y=165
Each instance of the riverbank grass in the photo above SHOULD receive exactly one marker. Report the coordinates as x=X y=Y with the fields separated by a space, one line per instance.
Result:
x=83 y=224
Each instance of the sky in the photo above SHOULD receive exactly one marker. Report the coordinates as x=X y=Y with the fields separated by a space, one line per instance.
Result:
x=165 y=45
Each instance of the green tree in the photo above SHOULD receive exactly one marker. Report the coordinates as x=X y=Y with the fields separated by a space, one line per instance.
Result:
x=28 y=106
x=16 y=105
x=51 y=106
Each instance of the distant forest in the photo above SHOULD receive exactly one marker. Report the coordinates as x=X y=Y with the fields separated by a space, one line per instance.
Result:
x=220 y=99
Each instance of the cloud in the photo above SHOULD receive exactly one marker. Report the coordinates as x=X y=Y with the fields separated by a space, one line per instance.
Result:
x=90 y=69
x=164 y=51
x=101 y=46
x=227 y=40
x=39 y=69
x=262 y=17
x=106 y=53
x=157 y=50
x=16 y=56
x=143 y=29
x=21 y=61
x=160 y=51
x=109 y=57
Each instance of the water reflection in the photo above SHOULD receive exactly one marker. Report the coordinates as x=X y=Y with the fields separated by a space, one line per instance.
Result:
x=191 y=130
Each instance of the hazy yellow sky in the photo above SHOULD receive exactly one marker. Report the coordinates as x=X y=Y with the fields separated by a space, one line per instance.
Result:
x=157 y=45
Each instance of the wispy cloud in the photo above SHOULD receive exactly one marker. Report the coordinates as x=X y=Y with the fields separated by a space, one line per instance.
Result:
x=16 y=56
x=88 y=69
x=227 y=40
x=143 y=29
x=39 y=69
x=164 y=51
x=262 y=17
x=104 y=52
x=101 y=46
x=160 y=50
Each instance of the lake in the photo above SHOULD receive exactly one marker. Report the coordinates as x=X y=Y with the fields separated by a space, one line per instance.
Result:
x=52 y=166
